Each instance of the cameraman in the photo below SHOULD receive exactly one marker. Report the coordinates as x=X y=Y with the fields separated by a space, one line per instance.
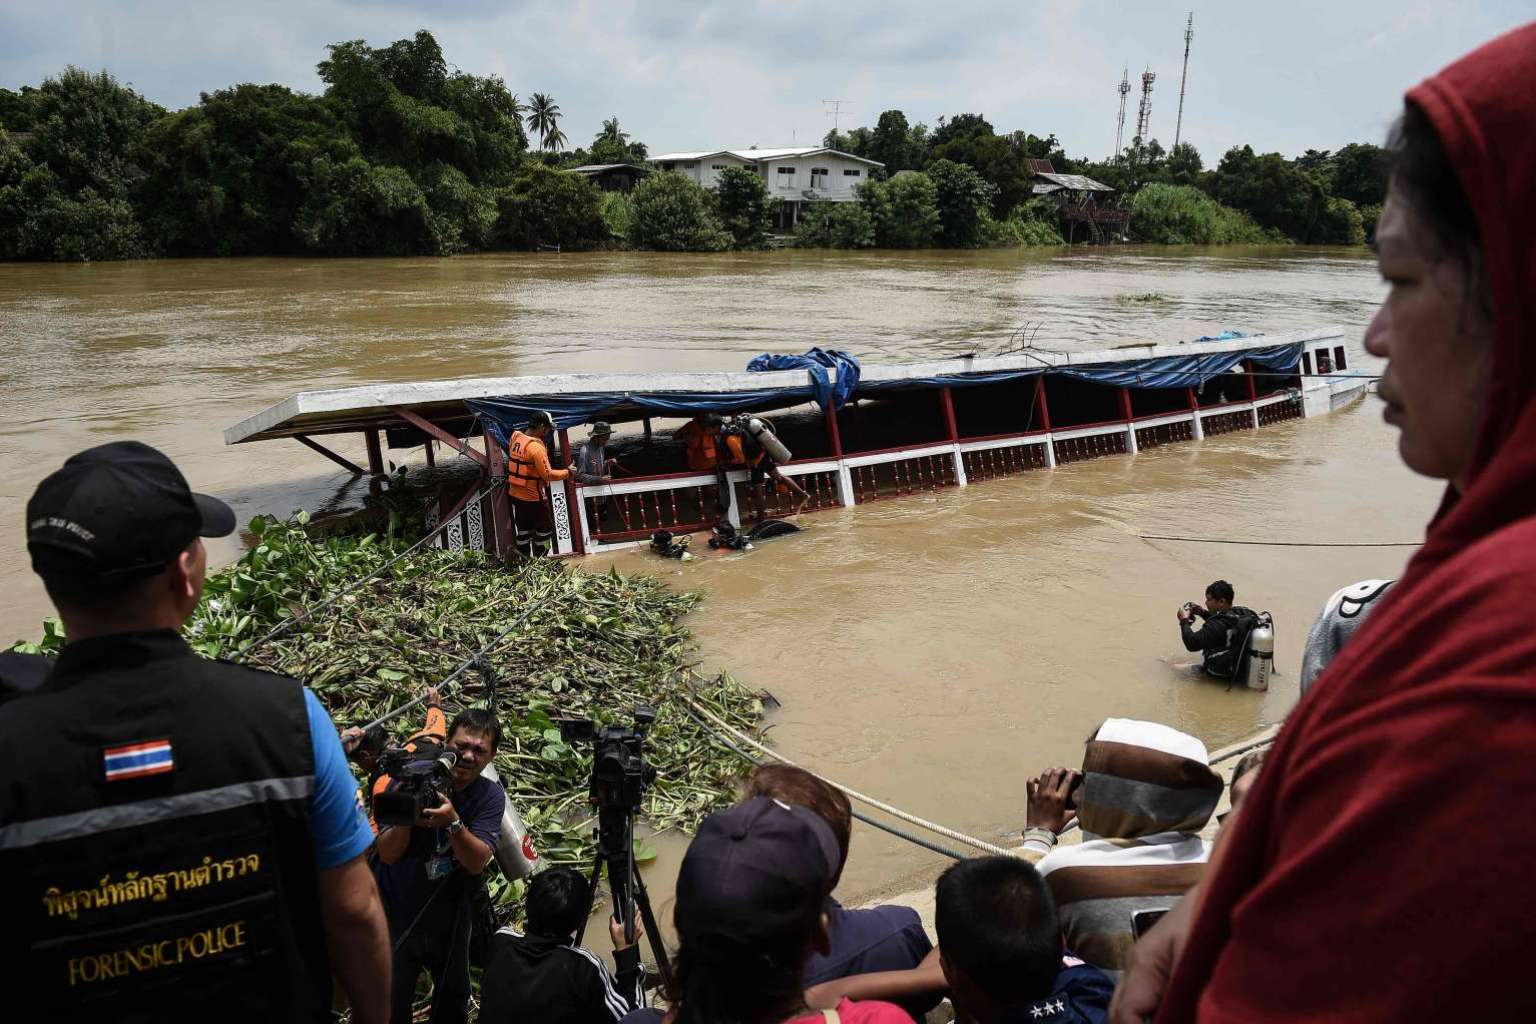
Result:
x=428 y=874
x=1220 y=640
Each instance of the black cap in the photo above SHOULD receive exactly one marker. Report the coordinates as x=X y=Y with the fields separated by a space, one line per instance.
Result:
x=118 y=512
x=755 y=871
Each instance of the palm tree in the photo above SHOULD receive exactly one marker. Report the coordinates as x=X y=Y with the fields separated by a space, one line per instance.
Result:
x=612 y=132
x=544 y=118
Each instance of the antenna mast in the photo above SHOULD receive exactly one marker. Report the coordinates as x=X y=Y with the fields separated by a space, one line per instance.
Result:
x=1189 y=34
x=835 y=111
x=1144 y=115
x=1125 y=88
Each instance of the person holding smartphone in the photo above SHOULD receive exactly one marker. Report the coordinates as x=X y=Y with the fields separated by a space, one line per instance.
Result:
x=1144 y=793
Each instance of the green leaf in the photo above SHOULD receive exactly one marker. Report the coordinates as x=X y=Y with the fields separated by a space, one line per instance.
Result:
x=393 y=675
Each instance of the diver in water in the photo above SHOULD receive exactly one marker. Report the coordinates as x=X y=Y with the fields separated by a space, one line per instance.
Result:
x=1221 y=637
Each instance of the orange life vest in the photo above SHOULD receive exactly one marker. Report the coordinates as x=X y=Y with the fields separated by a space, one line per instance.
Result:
x=528 y=467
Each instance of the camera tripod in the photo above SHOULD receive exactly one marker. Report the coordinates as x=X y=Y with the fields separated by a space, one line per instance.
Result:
x=616 y=849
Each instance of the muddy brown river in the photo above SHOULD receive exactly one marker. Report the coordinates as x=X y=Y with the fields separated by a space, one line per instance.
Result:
x=932 y=650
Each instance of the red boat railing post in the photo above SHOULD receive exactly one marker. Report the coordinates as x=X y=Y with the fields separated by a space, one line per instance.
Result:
x=501 y=512
x=1045 y=421
x=952 y=428
x=835 y=442
x=1197 y=432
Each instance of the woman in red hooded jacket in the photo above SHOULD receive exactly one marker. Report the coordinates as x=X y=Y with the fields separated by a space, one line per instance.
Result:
x=1380 y=869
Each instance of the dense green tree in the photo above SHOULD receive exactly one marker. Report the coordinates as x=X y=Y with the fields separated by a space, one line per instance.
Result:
x=963 y=199
x=998 y=160
x=891 y=143
x=1270 y=189
x=1360 y=174
x=745 y=208
x=545 y=206
x=835 y=226
x=17 y=109
x=956 y=127
x=904 y=210
x=1183 y=166
x=1338 y=223
x=68 y=197
x=674 y=214
x=228 y=176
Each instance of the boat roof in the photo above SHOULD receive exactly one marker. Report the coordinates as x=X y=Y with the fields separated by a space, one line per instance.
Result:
x=372 y=406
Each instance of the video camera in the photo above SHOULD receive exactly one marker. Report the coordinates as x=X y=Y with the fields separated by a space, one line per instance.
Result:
x=419 y=778
x=619 y=771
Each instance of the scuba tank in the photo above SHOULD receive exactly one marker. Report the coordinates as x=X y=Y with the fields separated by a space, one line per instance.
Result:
x=762 y=432
x=514 y=850
x=1261 y=653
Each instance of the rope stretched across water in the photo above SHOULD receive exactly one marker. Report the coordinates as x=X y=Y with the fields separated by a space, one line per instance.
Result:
x=1286 y=543
x=866 y=819
x=895 y=812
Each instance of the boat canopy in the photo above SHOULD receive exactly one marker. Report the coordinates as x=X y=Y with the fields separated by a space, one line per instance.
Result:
x=580 y=398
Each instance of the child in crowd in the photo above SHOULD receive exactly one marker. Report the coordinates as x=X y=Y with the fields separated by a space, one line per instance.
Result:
x=543 y=976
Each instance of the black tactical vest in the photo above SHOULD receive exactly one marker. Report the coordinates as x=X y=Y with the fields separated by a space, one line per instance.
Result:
x=155 y=839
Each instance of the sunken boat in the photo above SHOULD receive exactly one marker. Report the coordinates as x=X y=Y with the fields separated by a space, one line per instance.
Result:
x=857 y=433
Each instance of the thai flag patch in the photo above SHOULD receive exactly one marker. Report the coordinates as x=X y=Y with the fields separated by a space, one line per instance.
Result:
x=136 y=760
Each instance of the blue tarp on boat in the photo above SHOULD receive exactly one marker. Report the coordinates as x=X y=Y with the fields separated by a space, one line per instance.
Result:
x=569 y=410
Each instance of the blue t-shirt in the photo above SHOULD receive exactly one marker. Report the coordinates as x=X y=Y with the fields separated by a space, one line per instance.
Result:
x=336 y=815
x=886 y=938
x=1080 y=996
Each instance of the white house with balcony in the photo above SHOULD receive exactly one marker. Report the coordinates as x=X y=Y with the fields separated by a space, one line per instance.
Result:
x=800 y=176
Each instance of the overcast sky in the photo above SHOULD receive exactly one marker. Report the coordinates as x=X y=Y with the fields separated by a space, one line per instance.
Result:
x=696 y=74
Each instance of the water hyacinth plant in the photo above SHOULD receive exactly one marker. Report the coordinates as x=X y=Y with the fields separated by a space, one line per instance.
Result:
x=594 y=646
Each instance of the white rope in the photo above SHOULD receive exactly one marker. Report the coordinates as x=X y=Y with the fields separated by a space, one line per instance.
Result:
x=896 y=812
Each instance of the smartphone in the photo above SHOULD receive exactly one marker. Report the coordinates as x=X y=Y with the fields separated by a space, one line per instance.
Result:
x=1075 y=789
x=1143 y=920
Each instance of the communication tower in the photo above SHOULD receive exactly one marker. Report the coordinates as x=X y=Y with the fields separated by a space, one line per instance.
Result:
x=1144 y=115
x=1189 y=34
x=1125 y=88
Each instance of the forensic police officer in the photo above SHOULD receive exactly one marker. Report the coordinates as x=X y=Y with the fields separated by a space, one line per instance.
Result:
x=179 y=838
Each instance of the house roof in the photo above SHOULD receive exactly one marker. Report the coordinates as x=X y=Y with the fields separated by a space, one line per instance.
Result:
x=1077 y=182
x=756 y=155
x=599 y=168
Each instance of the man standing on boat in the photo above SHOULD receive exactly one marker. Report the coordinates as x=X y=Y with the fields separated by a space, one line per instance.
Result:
x=528 y=476
x=1220 y=640
x=593 y=466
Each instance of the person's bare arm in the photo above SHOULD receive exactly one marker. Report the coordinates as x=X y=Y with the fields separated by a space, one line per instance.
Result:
x=472 y=852
x=392 y=843
x=357 y=938
x=924 y=979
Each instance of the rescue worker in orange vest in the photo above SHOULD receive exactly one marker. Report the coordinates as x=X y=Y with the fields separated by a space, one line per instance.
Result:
x=528 y=476
x=738 y=450
x=700 y=435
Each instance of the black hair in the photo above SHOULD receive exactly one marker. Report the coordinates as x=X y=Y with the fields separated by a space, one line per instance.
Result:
x=373 y=740
x=481 y=720
x=1422 y=177
x=1221 y=590
x=996 y=922
x=557 y=902
x=717 y=979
